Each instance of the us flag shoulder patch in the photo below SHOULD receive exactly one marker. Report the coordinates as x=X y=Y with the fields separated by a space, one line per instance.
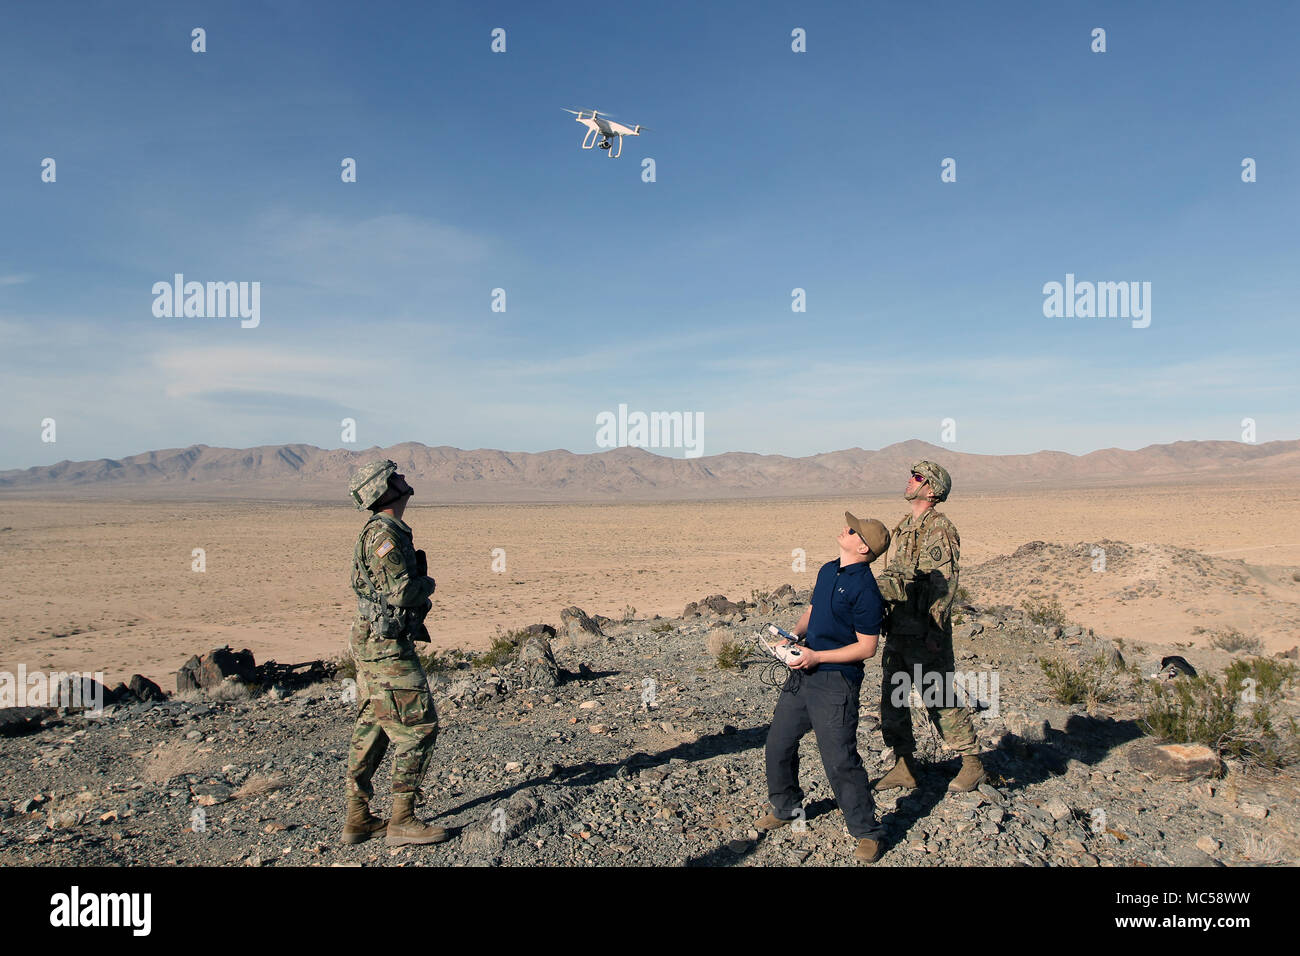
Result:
x=384 y=548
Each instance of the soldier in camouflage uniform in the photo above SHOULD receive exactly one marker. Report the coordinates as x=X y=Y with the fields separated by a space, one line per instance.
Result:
x=919 y=587
x=393 y=596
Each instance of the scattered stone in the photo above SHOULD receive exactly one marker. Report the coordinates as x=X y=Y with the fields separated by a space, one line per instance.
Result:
x=1252 y=811
x=211 y=793
x=1208 y=845
x=1058 y=809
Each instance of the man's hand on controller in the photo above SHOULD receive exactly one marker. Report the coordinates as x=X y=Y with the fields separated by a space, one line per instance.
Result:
x=807 y=658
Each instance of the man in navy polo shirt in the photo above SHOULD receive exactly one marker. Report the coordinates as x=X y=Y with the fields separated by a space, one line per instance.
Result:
x=842 y=627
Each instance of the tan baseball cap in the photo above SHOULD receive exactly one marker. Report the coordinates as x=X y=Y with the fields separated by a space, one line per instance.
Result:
x=872 y=532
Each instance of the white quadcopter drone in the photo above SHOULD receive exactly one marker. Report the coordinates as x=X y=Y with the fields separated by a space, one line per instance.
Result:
x=604 y=128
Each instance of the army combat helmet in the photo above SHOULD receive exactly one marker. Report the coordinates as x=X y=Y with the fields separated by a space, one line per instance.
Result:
x=937 y=479
x=369 y=483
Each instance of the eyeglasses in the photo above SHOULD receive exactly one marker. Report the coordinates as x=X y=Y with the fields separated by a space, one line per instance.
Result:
x=920 y=478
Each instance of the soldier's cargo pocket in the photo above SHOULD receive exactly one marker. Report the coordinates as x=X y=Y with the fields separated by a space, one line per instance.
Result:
x=411 y=707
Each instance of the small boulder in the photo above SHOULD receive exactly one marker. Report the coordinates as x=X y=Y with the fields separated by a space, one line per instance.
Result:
x=17 y=721
x=538 y=662
x=1109 y=652
x=1028 y=728
x=578 y=626
x=717 y=604
x=187 y=678
x=1174 y=761
x=222 y=662
x=145 y=689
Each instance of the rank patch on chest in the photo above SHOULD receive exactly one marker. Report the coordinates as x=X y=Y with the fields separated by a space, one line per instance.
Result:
x=936 y=552
x=384 y=548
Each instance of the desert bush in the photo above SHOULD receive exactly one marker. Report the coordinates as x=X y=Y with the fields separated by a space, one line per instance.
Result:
x=1230 y=639
x=663 y=627
x=345 y=667
x=629 y=614
x=731 y=655
x=1234 y=714
x=725 y=650
x=504 y=648
x=436 y=661
x=1045 y=611
x=1089 y=682
x=963 y=595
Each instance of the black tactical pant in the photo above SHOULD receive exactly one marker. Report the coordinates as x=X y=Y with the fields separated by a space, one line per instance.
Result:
x=933 y=654
x=825 y=702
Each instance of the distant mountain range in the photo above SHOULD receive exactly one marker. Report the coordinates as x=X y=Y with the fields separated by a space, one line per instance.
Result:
x=447 y=474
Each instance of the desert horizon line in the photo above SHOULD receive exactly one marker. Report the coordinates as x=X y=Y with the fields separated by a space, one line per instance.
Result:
x=651 y=453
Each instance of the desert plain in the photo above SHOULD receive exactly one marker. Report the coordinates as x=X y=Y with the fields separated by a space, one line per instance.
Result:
x=111 y=586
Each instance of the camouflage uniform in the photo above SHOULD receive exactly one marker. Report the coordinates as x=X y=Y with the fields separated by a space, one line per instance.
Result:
x=919 y=587
x=393 y=692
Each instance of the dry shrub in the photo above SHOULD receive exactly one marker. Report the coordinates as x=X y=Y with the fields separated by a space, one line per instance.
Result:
x=171 y=760
x=258 y=784
x=230 y=690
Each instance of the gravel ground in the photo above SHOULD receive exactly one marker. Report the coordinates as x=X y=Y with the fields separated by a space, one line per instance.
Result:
x=646 y=753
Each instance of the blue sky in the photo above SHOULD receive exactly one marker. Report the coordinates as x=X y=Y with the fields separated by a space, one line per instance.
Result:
x=774 y=170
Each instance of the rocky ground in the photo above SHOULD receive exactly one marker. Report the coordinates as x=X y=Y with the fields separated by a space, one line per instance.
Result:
x=627 y=744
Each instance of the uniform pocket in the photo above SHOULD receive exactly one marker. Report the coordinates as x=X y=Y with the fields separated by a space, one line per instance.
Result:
x=411 y=707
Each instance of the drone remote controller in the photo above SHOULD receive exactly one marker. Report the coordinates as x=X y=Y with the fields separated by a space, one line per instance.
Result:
x=783 y=652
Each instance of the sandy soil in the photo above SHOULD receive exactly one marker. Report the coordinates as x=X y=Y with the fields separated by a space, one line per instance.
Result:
x=103 y=585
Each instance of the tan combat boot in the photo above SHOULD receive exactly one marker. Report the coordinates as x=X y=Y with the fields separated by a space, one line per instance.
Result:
x=405 y=829
x=772 y=822
x=868 y=851
x=899 y=776
x=971 y=776
x=361 y=825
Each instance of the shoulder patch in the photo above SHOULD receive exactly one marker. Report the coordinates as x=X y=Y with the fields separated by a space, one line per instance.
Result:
x=936 y=552
x=384 y=548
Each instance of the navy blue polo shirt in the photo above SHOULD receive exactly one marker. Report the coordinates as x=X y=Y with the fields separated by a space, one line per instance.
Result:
x=846 y=602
